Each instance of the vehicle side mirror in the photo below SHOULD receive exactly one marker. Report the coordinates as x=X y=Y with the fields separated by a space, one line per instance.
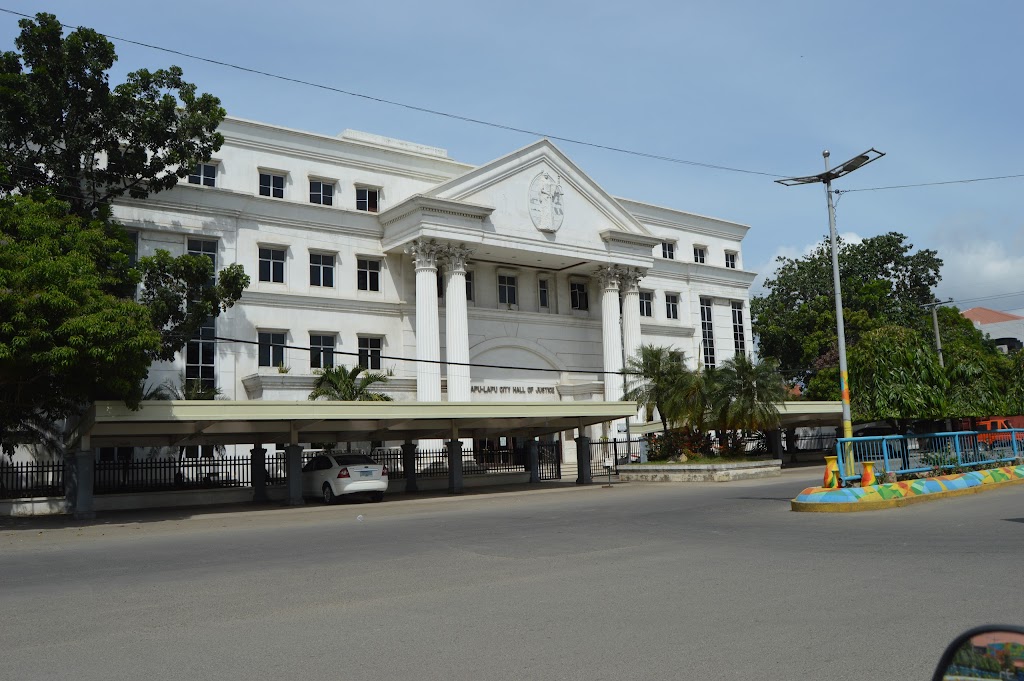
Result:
x=993 y=652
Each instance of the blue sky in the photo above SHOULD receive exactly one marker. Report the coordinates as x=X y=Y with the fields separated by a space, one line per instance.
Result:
x=753 y=85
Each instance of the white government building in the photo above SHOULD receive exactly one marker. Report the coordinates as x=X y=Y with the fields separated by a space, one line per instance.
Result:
x=389 y=251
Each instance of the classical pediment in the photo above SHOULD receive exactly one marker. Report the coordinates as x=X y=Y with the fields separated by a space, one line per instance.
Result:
x=538 y=192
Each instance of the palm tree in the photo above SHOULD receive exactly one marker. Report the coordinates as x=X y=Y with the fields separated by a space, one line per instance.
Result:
x=342 y=384
x=655 y=379
x=746 y=393
x=183 y=389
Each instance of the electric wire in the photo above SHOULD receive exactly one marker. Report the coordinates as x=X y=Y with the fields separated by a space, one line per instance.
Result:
x=414 y=107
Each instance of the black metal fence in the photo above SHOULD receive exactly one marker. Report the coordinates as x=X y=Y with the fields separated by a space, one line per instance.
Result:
x=148 y=475
x=614 y=452
x=31 y=479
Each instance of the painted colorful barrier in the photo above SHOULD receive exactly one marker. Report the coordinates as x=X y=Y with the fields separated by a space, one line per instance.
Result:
x=892 y=494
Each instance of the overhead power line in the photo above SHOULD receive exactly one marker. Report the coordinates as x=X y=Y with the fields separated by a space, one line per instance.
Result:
x=414 y=107
x=225 y=339
x=929 y=184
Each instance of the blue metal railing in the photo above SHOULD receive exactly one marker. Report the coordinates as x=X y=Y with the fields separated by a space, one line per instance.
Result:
x=903 y=454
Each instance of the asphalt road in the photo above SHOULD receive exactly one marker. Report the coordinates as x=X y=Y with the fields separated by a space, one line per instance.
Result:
x=698 y=581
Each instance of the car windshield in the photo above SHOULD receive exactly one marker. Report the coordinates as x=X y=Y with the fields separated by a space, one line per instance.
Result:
x=350 y=459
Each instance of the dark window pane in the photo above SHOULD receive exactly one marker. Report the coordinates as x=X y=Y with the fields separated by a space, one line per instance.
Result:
x=314 y=275
x=328 y=276
x=264 y=270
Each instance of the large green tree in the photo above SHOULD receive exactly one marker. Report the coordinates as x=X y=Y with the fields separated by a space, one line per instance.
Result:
x=74 y=324
x=63 y=127
x=656 y=378
x=884 y=282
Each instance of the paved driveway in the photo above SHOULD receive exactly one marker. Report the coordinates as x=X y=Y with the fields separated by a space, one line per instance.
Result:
x=666 y=581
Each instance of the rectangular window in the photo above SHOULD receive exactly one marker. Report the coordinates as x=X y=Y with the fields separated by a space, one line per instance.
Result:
x=201 y=350
x=699 y=254
x=440 y=283
x=671 y=306
x=272 y=265
x=668 y=250
x=203 y=247
x=542 y=287
x=271 y=349
x=321 y=192
x=321 y=270
x=646 y=304
x=370 y=351
x=272 y=185
x=578 y=296
x=507 y=290
x=730 y=260
x=201 y=355
x=321 y=351
x=367 y=199
x=469 y=287
x=368 y=274
x=707 y=333
x=737 y=329
x=204 y=174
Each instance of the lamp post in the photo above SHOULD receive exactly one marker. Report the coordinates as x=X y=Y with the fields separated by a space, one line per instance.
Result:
x=826 y=179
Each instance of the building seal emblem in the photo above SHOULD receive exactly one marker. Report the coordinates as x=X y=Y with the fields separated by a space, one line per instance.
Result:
x=546 y=209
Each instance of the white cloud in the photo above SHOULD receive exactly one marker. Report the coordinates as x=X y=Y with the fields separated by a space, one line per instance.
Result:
x=978 y=272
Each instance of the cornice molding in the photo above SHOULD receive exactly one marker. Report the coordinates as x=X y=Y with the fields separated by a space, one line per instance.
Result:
x=340 y=159
x=300 y=302
x=433 y=205
x=666 y=330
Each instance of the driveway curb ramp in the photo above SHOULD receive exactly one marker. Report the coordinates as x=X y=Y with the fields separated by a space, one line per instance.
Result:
x=897 y=494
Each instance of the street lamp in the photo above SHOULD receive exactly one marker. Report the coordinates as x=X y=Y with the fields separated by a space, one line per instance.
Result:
x=826 y=178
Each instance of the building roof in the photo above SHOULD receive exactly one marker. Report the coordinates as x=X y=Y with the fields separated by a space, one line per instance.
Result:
x=179 y=423
x=983 y=315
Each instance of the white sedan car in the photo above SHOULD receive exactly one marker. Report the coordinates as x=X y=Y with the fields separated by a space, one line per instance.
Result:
x=330 y=475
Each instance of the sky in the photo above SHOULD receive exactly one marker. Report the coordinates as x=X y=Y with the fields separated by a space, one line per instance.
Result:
x=745 y=84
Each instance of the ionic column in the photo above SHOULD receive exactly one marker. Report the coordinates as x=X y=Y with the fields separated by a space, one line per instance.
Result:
x=428 y=342
x=611 y=332
x=457 y=324
x=630 y=283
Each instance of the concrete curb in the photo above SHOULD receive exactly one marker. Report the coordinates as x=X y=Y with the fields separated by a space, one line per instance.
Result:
x=896 y=495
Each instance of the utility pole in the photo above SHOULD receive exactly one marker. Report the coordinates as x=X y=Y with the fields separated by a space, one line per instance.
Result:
x=935 y=322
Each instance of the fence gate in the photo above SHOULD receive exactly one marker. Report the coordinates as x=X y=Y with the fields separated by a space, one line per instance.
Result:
x=549 y=455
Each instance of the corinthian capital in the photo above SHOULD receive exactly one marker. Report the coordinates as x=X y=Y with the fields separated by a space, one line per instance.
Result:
x=456 y=257
x=630 y=278
x=425 y=253
x=609 y=276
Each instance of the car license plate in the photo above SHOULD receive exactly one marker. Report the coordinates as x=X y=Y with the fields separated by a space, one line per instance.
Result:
x=366 y=474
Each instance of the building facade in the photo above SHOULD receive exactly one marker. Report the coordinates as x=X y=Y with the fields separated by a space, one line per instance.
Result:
x=523 y=272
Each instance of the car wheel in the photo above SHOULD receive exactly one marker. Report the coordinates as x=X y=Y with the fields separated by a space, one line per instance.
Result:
x=376 y=497
x=328 y=494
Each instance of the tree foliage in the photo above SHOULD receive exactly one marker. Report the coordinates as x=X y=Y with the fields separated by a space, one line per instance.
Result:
x=342 y=384
x=746 y=394
x=74 y=324
x=884 y=282
x=655 y=379
x=68 y=331
x=64 y=128
x=742 y=395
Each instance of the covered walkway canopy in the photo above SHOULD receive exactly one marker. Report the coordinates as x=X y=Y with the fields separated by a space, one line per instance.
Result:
x=164 y=423
x=178 y=423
